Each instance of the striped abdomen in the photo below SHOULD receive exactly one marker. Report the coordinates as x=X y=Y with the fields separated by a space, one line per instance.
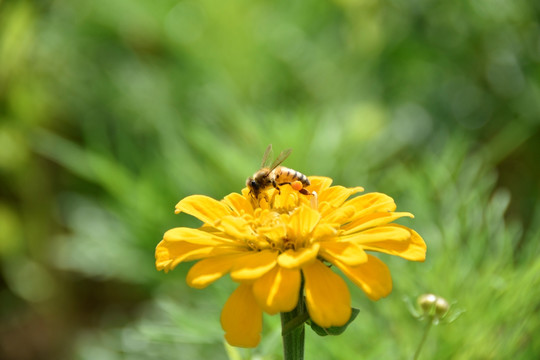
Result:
x=283 y=175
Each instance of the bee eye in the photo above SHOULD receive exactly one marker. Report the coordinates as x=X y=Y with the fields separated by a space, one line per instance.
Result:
x=254 y=184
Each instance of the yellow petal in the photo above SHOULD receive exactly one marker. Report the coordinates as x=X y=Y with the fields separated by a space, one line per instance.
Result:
x=235 y=227
x=380 y=233
x=349 y=253
x=413 y=249
x=294 y=259
x=163 y=260
x=327 y=296
x=170 y=254
x=319 y=183
x=278 y=290
x=253 y=265
x=371 y=203
x=241 y=318
x=324 y=232
x=275 y=233
x=373 y=277
x=210 y=229
x=302 y=222
x=239 y=204
x=203 y=208
x=195 y=236
x=287 y=199
x=209 y=270
x=340 y=215
x=336 y=195
x=372 y=220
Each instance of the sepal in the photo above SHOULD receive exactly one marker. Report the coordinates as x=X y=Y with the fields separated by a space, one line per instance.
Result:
x=334 y=330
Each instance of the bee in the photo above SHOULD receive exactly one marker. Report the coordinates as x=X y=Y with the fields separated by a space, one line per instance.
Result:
x=276 y=176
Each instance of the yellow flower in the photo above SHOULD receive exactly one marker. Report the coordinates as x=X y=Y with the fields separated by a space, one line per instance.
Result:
x=269 y=248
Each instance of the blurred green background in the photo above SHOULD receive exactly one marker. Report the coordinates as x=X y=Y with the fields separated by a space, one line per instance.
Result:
x=112 y=111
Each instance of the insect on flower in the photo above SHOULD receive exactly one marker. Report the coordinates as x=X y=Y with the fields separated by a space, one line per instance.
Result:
x=276 y=176
x=278 y=251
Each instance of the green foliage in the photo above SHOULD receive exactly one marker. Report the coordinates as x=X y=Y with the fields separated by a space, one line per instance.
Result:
x=112 y=111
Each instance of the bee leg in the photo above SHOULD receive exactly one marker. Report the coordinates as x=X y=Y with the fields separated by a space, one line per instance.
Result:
x=297 y=185
x=276 y=187
x=284 y=183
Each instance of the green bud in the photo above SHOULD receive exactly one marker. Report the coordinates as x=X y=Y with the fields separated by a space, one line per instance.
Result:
x=426 y=302
x=441 y=307
x=433 y=305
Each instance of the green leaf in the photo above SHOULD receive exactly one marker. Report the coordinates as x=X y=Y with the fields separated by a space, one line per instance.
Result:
x=334 y=330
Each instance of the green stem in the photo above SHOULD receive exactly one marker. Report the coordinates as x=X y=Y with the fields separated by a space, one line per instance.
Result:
x=292 y=329
x=424 y=337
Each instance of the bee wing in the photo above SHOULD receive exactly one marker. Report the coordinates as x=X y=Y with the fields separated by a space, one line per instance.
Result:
x=284 y=154
x=266 y=156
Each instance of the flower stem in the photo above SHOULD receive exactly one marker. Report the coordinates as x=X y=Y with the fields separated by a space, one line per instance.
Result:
x=292 y=329
x=424 y=337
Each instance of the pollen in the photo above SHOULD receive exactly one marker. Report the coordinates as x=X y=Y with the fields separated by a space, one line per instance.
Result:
x=297 y=185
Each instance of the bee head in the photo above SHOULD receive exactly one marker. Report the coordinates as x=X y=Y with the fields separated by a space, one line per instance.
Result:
x=253 y=186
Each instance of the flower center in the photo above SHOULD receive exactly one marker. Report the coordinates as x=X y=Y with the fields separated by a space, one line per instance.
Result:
x=270 y=221
x=289 y=244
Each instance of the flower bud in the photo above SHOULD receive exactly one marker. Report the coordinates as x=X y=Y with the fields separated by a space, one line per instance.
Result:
x=426 y=302
x=433 y=305
x=441 y=307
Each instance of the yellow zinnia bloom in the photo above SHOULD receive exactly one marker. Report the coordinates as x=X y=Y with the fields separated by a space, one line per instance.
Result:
x=269 y=247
